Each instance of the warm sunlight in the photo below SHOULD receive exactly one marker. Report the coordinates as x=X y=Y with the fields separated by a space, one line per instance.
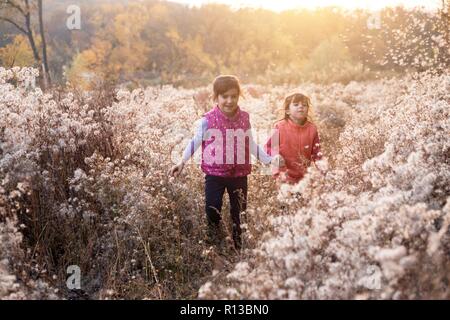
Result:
x=279 y=5
x=208 y=157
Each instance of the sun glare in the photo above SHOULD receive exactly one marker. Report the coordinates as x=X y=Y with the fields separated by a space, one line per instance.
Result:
x=280 y=5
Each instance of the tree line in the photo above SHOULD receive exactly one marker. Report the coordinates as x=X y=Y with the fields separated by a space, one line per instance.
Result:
x=154 y=42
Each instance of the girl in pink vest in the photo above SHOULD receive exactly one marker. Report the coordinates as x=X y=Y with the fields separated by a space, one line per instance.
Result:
x=225 y=136
x=297 y=140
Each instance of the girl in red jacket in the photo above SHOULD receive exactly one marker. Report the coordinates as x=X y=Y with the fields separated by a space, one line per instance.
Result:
x=295 y=138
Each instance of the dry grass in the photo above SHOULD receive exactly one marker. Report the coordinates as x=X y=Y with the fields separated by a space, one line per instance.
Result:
x=84 y=175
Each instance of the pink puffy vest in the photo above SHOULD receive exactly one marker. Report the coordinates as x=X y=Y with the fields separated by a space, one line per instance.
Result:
x=218 y=124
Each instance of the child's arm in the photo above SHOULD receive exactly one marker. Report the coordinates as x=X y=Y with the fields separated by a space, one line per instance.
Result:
x=259 y=152
x=190 y=149
x=272 y=144
x=270 y=152
x=196 y=141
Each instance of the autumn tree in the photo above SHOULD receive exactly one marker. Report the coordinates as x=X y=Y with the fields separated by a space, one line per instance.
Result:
x=19 y=14
x=17 y=53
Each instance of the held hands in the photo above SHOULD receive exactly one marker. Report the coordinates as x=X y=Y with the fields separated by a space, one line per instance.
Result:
x=277 y=161
x=176 y=170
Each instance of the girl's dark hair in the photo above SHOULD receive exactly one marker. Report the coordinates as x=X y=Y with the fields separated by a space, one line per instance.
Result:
x=223 y=83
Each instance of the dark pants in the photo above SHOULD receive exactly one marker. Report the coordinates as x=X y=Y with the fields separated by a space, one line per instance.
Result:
x=237 y=191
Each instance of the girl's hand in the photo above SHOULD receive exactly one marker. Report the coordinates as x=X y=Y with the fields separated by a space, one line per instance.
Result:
x=176 y=170
x=278 y=161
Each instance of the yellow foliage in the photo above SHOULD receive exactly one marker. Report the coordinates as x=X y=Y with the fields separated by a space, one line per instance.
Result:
x=115 y=53
x=17 y=53
x=91 y=65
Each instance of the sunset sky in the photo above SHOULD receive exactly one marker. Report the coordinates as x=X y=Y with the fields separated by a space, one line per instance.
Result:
x=279 y=5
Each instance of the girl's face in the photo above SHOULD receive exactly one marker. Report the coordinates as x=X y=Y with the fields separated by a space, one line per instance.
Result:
x=298 y=111
x=228 y=102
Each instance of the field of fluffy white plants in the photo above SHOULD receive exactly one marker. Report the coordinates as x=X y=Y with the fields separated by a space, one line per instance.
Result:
x=83 y=183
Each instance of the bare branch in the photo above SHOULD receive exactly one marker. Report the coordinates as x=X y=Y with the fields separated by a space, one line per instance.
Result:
x=14 y=24
x=14 y=5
